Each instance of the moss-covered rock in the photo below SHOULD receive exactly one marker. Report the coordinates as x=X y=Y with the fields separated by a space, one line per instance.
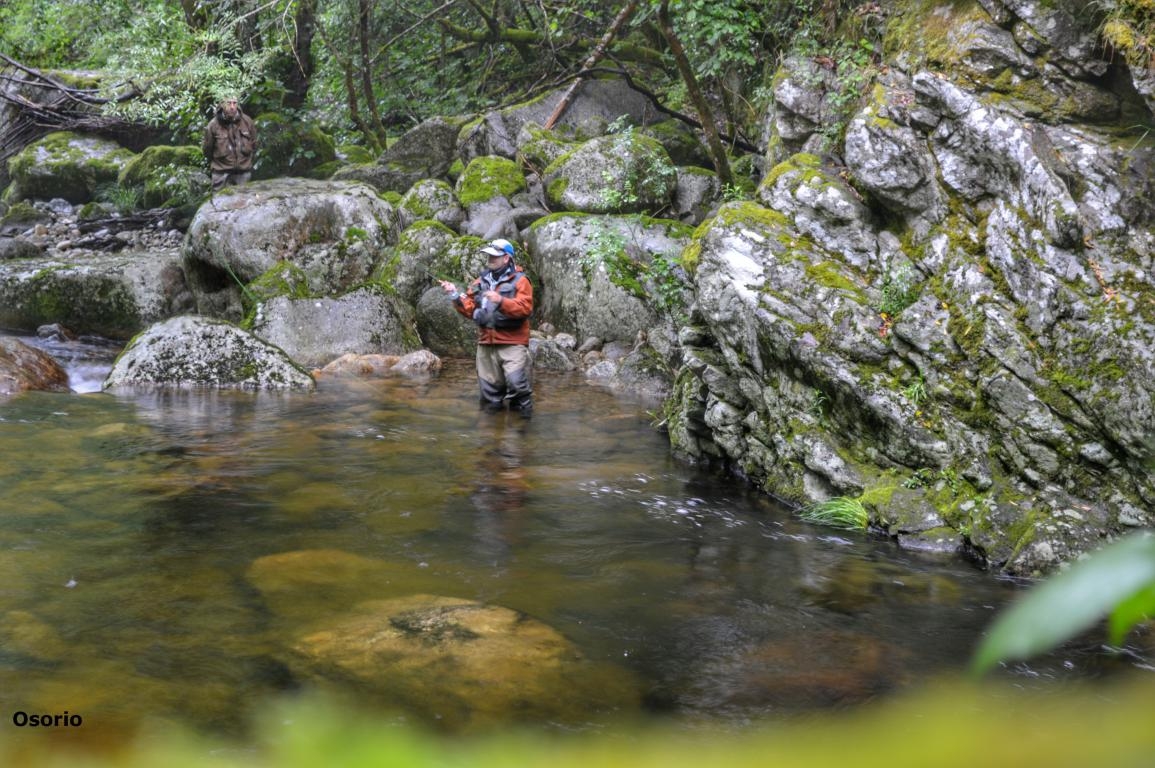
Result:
x=167 y=176
x=65 y=165
x=619 y=173
x=198 y=352
x=488 y=177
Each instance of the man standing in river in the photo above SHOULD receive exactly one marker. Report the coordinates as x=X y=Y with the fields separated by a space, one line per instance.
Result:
x=230 y=141
x=500 y=302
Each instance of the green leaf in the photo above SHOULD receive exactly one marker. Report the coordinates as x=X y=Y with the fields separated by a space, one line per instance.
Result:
x=1139 y=607
x=1071 y=602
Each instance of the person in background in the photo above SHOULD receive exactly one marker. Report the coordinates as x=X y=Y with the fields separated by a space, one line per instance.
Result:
x=500 y=302
x=230 y=142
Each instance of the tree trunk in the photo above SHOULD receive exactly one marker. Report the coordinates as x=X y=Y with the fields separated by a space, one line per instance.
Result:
x=363 y=33
x=717 y=151
x=299 y=76
x=598 y=54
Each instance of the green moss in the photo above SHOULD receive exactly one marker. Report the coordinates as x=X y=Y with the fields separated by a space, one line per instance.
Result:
x=809 y=165
x=557 y=188
x=831 y=275
x=355 y=153
x=488 y=177
x=919 y=32
x=746 y=212
x=283 y=279
x=136 y=171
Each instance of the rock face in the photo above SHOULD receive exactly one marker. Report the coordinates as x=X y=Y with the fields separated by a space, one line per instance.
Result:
x=195 y=352
x=963 y=338
x=24 y=368
x=461 y=664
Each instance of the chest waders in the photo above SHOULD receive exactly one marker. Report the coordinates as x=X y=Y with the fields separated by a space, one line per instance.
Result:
x=502 y=369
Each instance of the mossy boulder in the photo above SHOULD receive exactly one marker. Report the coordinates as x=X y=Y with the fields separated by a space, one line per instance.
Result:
x=110 y=294
x=488 y=177
x=461 y=664
x=168 y=176
x=424 y=152
x=65 y=165
x=619 y=173
x=290 y=148
x=431 y=199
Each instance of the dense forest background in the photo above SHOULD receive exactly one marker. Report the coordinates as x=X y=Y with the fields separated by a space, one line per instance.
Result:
x=366 y=70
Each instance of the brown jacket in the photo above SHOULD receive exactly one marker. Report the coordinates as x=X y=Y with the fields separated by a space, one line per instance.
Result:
x=508 y=323
x=230 y=144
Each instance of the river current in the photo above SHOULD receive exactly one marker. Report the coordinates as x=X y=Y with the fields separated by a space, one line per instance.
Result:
x=131 y=523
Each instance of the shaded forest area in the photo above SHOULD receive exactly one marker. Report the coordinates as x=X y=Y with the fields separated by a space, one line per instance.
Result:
x=365 y=70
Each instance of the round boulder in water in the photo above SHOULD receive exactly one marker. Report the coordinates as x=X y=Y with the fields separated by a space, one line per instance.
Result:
x=196 y=352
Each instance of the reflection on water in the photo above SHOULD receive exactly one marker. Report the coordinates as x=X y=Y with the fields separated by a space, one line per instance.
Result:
x=165 y=552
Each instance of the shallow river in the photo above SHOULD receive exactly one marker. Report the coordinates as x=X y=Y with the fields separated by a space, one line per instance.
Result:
x=140 y=533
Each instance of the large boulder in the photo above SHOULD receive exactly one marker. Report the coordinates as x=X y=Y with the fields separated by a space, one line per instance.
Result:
x=431 y=199
x=425 y=253
x=109 y=294
x=597 y=104
x=315 y=331
x=199 y=352
x=333 y=231
x=167 y=176
x=609 y=277
x=620 y=173
x=487 y=189
x=425 y=152
x=461 y=665
x=65 y=165
x=24 y=368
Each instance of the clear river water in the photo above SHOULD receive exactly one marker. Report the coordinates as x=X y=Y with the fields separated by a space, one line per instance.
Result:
x=140 y=536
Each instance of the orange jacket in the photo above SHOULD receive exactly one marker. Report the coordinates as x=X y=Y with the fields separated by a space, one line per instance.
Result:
x=508 y=322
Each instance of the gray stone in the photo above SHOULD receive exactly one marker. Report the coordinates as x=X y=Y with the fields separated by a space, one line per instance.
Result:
x=198 y=352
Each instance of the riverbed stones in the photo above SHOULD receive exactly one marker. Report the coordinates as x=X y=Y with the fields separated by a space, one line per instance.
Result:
x=461 y=664
x=198 y=352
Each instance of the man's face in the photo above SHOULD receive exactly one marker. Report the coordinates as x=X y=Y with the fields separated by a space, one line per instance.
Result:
x=497 y=262
x=229 y=107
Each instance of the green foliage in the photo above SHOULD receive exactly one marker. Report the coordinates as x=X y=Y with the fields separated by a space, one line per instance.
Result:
x=915 y=392
x=839 y=512
x=1128 y=27
x=1117 y=581
x=900 y=289
x=122 y=199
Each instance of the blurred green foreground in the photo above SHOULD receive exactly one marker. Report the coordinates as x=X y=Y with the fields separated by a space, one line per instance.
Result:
x=953 y=724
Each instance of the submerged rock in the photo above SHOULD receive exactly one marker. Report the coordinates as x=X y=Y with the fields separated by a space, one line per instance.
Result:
x=462 y=664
